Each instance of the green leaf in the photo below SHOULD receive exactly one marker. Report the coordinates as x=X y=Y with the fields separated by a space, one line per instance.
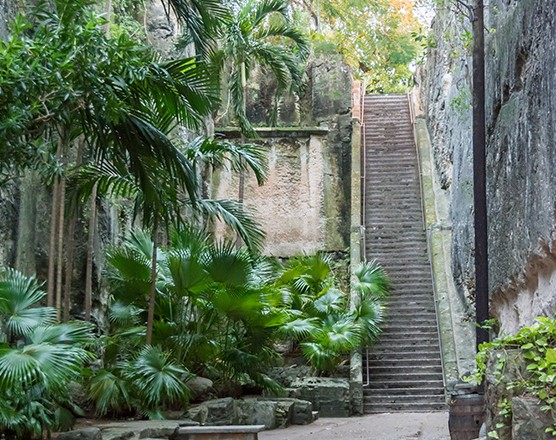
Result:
x=551 y=356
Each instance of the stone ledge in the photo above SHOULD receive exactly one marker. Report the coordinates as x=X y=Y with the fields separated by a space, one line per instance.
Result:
x=273 y=132
x=221 y=429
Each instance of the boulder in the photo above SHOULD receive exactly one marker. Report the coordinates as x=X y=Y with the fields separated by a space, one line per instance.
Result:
x=81 y=434
x=215 y=412
x=252 y=411
x=200 y=389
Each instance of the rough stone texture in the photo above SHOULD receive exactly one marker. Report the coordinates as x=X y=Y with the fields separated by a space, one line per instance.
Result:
x=309 y=176
x=528 y=421
x=156 y=433
x=81 y=434
x=271 y=412
x=503 y=366
x=521 y=124
x=329 y=396
x=286 y=375
x=7 y=10
x=162 y=32
x=252 y=411
x=215 y=412
x=200 y=389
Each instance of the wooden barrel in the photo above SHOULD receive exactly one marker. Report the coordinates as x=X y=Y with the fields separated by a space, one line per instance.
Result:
x=467 y=414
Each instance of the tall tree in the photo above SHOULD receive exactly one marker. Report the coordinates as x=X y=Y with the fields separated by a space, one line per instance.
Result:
x=260 y=32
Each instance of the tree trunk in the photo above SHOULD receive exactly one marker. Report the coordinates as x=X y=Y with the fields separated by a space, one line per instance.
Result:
x=90 y=252
x=152 y=296
x=27 y=218
x=70 y=246
x=241 y=191
x=53 y=228
x=60 y=260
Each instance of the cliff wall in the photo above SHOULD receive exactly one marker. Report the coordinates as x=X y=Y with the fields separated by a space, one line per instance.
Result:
x=521 y=150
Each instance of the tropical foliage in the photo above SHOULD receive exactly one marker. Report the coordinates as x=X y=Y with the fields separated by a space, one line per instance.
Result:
x=38 y=359
x=321 y=318
x=376 y=37
x=260 y=33
x=220 y=312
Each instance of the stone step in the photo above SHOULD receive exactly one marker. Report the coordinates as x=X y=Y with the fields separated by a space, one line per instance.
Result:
x=403 y=391
x=401 y=348
x=408 y=362
x=385 y=398
x=380 y=408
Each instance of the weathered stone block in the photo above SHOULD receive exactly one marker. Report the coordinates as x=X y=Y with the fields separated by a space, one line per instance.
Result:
x=215 y=412
x=503 y=366
x=256 y=412
x=330 y=396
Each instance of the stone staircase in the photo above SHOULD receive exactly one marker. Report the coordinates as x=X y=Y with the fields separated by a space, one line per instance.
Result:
x=404 y=369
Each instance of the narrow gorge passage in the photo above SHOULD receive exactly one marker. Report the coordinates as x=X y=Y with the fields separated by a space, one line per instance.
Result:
x=403 y=371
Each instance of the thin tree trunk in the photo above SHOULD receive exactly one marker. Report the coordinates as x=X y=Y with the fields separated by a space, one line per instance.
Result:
x=60 y=260
x=93 y=214
x=152 y=296
x=51 y=282
x=70 y=247
x=241 y=191
x=108 y=13
x=90 y=251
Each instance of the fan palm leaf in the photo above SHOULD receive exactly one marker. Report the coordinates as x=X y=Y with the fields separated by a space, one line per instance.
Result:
x=19 y=294
x=372 y=280
x=109 y=392
x=158 y=378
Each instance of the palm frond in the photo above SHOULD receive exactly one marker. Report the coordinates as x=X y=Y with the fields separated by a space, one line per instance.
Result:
x=124 y=315
x=301 y=328
x=188 y=273
x=265 y=8
x=215 y=152
x=158 y=378
x=233 y=214
x=64 y=333
x=333 y=302
x=286 y=31
x=372 y=280
x=202 y=20
x=109 y=392
x=19 y=294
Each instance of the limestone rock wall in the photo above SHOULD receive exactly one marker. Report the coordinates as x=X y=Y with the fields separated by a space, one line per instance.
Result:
x=521 y=124
x=305 y=204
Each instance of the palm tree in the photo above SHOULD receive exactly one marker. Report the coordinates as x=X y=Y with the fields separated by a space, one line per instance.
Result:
x=321 y=319
x=38 y=359
x=259 y=32
x=161 y=201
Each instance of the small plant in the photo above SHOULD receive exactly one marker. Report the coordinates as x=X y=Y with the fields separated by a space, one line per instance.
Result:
x=323 y=323
x=537 y=343
x=38 y=359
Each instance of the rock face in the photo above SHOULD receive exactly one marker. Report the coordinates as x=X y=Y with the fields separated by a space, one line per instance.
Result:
x=7 y=10
x=521 y=124
x=528 y=421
